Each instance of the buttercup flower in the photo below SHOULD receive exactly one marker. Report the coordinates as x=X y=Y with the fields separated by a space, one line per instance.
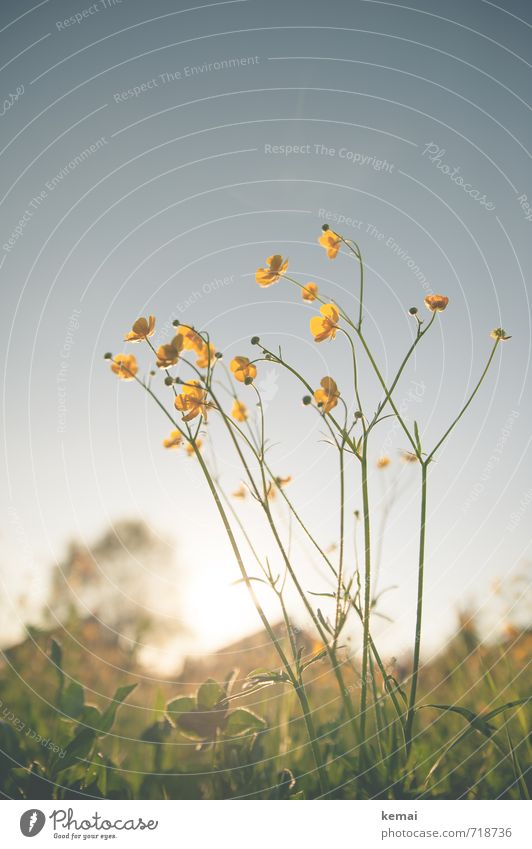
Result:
x=436 y=303
x=174 y=440
x=325 y=327
x=331 y=242
x=276 y=267
x=241 y=492
x=207 y=356
x=242 y=369
x=168 y=355
x=327 y=396
x=499 y=333
x=239 y=411
x=309 y=292
x=282 y=482
x=189 y=448
x=192 y=401
x=125 y=366
x=142 y=328
x=192 y=340
x=408 y=457
x=382 y=462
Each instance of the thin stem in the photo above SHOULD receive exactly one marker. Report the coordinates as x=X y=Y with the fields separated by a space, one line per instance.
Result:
x=388 y=395
x=466 y=405
x=367 y=593
x=419 y=611
x=341 y=552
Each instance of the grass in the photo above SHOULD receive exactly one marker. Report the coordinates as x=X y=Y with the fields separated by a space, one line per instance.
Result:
x=143 y=749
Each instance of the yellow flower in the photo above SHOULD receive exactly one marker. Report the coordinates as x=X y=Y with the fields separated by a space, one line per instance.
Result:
x=241 y=492
x=382 y=462
x=408 y=457
x=325 y=327
x=189 y=448
x=174 y=440
x=318 y=647
x=436 y=303
x=125 y=366
x=207 y=356
x=192 y=401
x=331 y=242
x=282 y=482
x=499 y=333
x=168 y=355
x=242 y=369
x=327 y=396
x=239 y=411
x=309 y=292
x=142 y=328
x=276 y=267
x=192 y=340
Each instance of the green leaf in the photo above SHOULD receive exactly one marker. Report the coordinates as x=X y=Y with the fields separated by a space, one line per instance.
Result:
x=72 y=700
x=56 y=656
x=241 y=721
x=90 y=716
x=507 y=706
x=109 y=714
x=477 y=721
x=177 y=707
x=210 y=694
x=265 y=676
x=157 y=732
x=392 y=684
x=77 y=749
x=229 y=681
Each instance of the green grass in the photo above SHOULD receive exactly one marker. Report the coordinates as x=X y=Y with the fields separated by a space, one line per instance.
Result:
x=146 y=740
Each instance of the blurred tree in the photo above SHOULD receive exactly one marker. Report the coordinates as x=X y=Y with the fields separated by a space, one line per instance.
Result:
x=127 y=579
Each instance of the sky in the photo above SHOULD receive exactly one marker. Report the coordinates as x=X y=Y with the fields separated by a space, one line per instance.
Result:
x=153 y=156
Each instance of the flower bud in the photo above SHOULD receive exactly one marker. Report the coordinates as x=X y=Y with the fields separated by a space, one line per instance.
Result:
x=307 y=400
x=168 y=381
x=248 y=381
x=108 y=356
x=218 y=355
x=413 y=310
x=500 y=334
x=255 y=340
x=358 y=414
x=176 y=322
x=325 y=228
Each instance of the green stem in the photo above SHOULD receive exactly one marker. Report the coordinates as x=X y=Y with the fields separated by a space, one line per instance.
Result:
x=341 y=552
x=367 y=594
x=419 y=612
x=466 y=405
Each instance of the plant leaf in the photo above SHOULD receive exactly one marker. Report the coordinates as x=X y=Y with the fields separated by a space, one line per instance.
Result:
x=77 y=749
x=210 y=694
x=72 y=700
x=109 y=714
x=179 y=706
x=478 y=722
x=56 y=656
x=241 y=721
